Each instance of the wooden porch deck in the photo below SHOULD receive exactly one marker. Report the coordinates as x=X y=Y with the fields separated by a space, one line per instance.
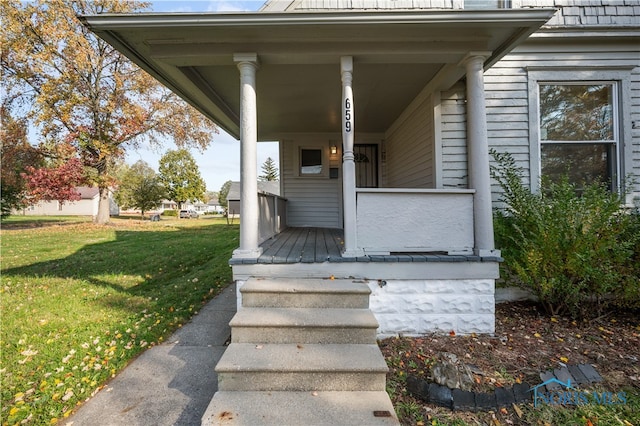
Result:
x=303 y=245
x=319 y=245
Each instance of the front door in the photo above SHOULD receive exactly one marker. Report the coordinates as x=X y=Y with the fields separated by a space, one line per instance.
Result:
x=366 y=159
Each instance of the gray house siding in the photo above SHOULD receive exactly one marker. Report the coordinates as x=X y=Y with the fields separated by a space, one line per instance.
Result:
x=410 y=150
x=311 y=201
x=454 y=138
x=511 y=90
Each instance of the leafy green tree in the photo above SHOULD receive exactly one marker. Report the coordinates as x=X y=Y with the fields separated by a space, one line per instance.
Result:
x=79 y=90
x=224 y=192
x=180 y=176
x=269 y=170
x=140 y=188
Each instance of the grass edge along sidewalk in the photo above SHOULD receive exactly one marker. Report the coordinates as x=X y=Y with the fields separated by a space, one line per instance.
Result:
x=80 y=301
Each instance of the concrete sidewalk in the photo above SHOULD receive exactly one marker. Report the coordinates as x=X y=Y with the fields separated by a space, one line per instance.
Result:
x=169 y=384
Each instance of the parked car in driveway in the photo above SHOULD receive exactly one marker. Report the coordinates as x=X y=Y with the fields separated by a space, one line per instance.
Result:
x=188 y=214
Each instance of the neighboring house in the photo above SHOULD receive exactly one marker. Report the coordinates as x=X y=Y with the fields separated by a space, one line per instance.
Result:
x=86 y=206
x=233 y=197
x=385 y=119
x=213 y=206
x=167 y=205
x=199 y=207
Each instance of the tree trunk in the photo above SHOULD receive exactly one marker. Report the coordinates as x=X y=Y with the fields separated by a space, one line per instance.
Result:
x=104 y=207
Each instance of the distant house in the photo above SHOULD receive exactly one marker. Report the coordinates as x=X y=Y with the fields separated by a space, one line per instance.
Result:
x=233 y=197
x=199 y=207
x=213 y=206
x=86 y=206
x=167 y=205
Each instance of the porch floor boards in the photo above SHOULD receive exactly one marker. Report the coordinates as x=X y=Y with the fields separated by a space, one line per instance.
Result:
x=303 y=245
x=319 y=245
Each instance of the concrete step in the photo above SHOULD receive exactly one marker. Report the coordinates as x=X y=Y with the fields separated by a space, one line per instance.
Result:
x=300 y=408
x=301 y=367
x=305 y=293
x=304 y=325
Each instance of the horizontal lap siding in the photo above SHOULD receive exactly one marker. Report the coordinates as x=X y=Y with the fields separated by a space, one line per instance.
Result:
x=635 y=133
x=507 y=91
x=410 y=151
x=454 y=138
x=311 y=201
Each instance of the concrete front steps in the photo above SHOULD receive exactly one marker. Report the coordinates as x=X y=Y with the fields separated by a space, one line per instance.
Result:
x=302 y=352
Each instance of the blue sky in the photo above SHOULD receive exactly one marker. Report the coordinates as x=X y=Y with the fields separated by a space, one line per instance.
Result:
x=206 y=6
x=221 y=161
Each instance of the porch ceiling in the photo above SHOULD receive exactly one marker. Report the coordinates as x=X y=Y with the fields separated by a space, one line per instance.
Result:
x=396 y=55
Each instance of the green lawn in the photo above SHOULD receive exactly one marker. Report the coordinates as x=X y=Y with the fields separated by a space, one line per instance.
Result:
x=79 y=301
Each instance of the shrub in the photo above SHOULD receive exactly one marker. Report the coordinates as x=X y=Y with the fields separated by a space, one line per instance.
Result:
x=568 y=247
x=170 y=213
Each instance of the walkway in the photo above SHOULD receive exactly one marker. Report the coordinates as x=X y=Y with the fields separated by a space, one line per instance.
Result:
x=169 y=384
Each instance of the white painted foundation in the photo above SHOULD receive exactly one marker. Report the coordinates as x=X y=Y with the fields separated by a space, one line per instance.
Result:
x=416 y=307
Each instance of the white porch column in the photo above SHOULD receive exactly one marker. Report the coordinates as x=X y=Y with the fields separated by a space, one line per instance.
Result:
x=348 y=163
x=248 y=65
x=478 y=156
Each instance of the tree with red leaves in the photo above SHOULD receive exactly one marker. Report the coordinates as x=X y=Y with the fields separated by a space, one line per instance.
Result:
x=55 y=183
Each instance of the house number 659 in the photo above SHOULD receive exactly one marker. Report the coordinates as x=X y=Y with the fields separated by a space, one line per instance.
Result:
x=347 y=115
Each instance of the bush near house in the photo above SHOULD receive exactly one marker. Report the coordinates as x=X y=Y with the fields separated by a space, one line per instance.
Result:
x=575 y=249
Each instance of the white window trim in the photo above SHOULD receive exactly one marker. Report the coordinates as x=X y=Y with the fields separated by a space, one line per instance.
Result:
x=622 y=104
x=325 y=161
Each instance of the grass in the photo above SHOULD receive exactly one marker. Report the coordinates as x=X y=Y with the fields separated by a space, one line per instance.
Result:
x=80 y=301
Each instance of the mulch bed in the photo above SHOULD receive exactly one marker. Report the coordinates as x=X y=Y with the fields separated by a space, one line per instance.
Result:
x=527 y=342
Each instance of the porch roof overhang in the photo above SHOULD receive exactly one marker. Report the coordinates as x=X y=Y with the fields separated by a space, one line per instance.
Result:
x=397 y=54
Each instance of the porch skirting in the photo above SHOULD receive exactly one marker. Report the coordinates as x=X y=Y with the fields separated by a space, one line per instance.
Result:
x=411 y=294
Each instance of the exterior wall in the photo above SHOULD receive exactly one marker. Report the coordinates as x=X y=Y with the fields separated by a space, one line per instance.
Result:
x=87 y=207
x=592 y=13
x=311 y=200
x=512 y=97
x=453 y=137
x=410 y=153
x=416 y=307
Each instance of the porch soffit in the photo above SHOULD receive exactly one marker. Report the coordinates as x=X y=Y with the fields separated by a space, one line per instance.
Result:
x=395 y=55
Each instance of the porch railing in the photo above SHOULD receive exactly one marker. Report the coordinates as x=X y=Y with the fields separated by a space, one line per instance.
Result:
x=414 y=220
x=273 y=215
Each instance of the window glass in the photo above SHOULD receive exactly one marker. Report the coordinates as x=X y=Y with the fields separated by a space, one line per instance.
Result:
x=576 y=112
x=310 y=161
x=577 y=136
x=582 y=163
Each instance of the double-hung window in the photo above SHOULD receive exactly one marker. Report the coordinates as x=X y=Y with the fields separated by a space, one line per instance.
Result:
x=578 y=131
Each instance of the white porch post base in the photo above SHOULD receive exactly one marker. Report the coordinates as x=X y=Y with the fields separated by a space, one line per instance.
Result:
x=487 y=252
x=247 y=254
x=355 y=252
